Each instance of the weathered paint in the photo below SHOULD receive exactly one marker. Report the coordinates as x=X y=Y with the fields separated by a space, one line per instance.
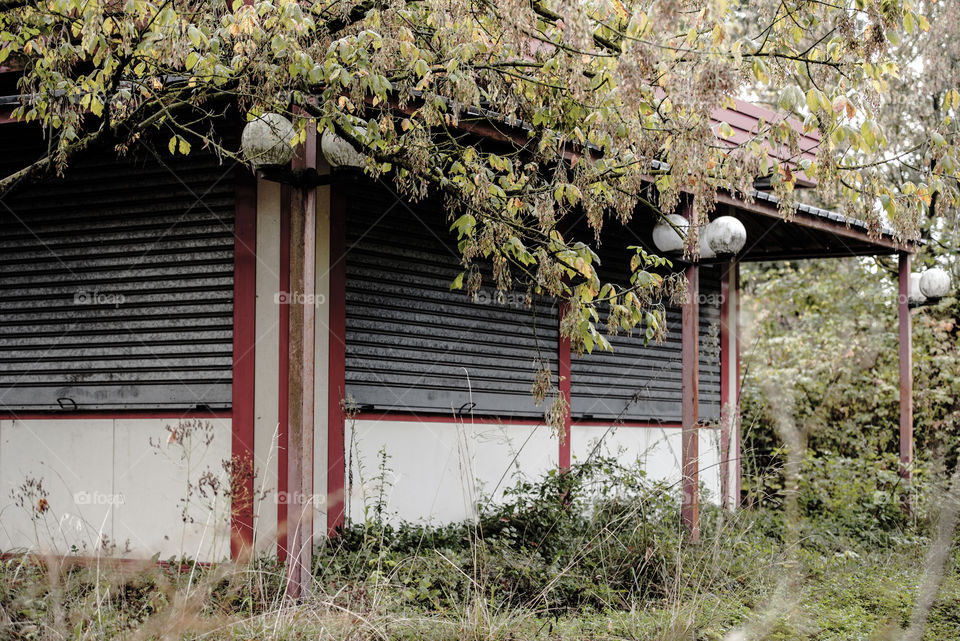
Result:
x=657 y=450
x=906 y=369
x=321 y=355
x=300 y=407
x=690 y=465
x=244 y=365
x=563 y=383
x=267 y=375
x=336 y=355
x=115 y=486
x=730 y=401
x=437 y=472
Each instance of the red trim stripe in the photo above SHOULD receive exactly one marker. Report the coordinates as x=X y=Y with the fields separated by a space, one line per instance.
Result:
x=283 y=388
x=738 y=446
x=690 y=352
x=726 y=358
x=408 y=417
x=114 y=414
x=563 y=375
x=336 y=379
x=244 y=369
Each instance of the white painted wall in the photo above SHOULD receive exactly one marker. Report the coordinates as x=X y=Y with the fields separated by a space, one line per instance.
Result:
x=120 y=481
x=266 y=404
x=435 y=472
x=656 y=449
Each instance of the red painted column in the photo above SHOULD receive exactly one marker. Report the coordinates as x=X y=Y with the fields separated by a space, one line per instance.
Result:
x=690 y=449
x=244 y=341
x=726 y=361
x=906 y=370
x=729 y=386
x=336 y=375
x=564 y=383
x=283 y=389
x=737 y=443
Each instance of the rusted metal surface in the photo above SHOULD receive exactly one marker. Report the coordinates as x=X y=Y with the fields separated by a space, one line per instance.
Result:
x=906 y=369
x=690 y=501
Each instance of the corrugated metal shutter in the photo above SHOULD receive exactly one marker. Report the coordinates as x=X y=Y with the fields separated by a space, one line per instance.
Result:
x=643 y=382
x=116 y=287
x=709 y=343
x=412 y=344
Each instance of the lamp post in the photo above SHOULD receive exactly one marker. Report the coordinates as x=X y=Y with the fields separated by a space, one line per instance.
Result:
x=267 y=143
x=723 y=238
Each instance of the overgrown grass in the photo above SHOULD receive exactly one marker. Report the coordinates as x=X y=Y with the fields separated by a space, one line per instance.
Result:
x=594 y=554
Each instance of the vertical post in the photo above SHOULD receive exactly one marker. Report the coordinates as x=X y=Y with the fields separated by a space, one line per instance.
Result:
x=303 y=240
x=283 y=385
x=564 y=384
x=725 y=408
x=337 y=356
x=244 y=342
x=906 y=372
x=729 y=387
x=737 y=436
x=690 y=449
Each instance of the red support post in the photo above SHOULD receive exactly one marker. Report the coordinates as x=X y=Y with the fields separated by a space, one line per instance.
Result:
x=690 y=448
x=906 y=371
x=283 y=388
x=726 y=361
x=336 y=375
x=563 y=374
x=729 y=387
x=244 y=341
x=738 y=446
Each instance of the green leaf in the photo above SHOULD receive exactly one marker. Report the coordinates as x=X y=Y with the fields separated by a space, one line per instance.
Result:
x=457 y=282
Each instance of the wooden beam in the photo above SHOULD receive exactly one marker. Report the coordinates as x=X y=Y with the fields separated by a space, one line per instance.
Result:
x=813 y=222
x=690 y=448
x=906 y=373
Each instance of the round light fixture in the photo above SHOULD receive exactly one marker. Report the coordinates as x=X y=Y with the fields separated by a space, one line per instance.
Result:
x=706 y=252
x=267 y=140
x=934 y=283
x=667 y=233
x=725 y=235
x=915 y=297
x=339 y=152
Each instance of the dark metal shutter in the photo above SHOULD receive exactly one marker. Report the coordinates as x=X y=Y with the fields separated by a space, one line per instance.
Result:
x=709 y=343
x=116 y=287
x=642 y=382
x=411 y=343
